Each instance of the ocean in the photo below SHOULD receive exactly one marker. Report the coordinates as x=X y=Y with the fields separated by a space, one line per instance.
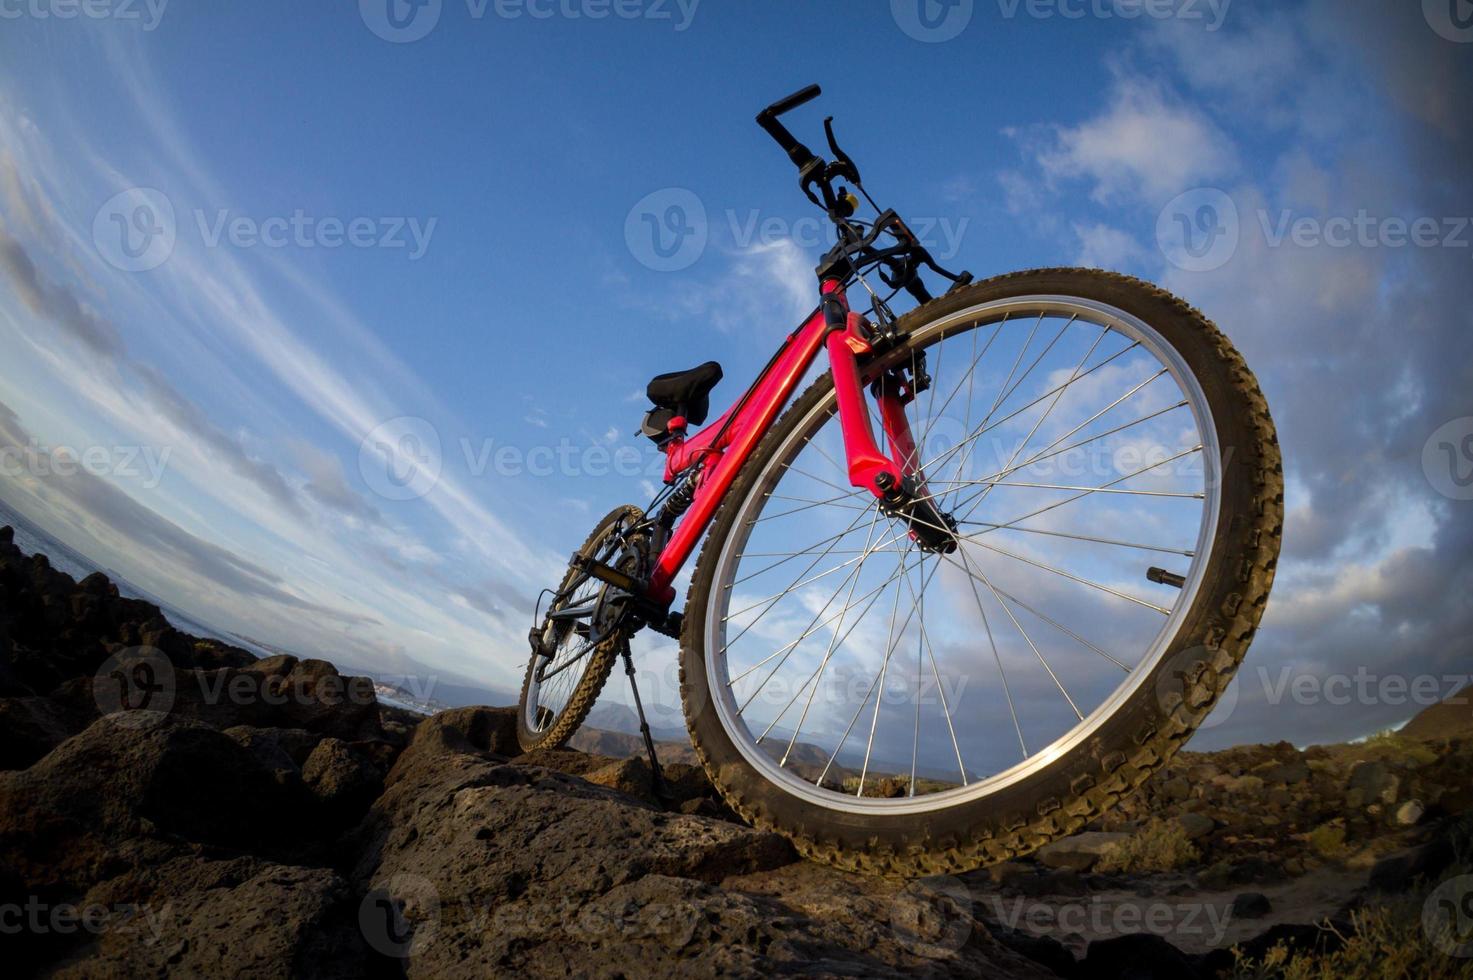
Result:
x=33 y=540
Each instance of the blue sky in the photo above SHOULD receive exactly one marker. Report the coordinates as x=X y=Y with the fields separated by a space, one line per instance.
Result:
x=492 y=167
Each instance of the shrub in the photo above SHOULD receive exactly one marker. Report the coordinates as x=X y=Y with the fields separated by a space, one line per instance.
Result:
x=1328 y=840
x=1158 y=846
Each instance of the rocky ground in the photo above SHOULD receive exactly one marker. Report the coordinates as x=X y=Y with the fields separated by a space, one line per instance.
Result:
x=174 y=805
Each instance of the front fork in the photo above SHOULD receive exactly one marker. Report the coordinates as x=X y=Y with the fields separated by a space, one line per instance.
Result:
x=896 y=480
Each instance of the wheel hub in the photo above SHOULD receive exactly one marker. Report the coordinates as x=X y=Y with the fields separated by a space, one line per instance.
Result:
x=932 y=529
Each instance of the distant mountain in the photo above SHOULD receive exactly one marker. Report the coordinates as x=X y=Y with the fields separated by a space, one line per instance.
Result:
x=1450 y=718
x=666 y=724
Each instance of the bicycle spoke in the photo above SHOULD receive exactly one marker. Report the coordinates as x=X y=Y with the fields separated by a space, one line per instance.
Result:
x=853 y=574
x=805 y=571
x=987 y=425
x=1059 y=486
x=940 y=693
x=1094 y=418
x=1083 y=537
x=992 y=642
x=1060 y=627
x=1048 y=452
x=860 y=556
x=831 y=540
x=1075 y=578
x=1073 y=376
x=1086 y=491
x=879 y=678
x=833 y=642
x=967 y=379
x=1029 y=640
x=869 y=746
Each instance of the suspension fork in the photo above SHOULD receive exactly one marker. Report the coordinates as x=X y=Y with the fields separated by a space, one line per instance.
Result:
x=897 y=480
x=868 y=467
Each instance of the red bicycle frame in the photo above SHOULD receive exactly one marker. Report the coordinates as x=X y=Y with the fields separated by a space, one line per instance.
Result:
x=724 y=446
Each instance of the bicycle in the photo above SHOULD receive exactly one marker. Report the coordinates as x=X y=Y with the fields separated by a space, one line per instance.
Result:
x=1046 y=638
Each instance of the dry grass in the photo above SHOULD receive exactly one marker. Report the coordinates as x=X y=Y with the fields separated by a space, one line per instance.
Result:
x=1400 y=746
x=1158 y=846
x=1385 y=941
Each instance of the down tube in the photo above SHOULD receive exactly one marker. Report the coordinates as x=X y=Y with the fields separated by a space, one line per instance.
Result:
x=771 y=393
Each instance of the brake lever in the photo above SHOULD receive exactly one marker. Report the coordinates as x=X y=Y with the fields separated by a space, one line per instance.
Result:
x=842 y=166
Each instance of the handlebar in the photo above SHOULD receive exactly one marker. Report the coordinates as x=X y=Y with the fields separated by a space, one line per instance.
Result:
x=899 y=264
x=784 y=106
x=801 y=155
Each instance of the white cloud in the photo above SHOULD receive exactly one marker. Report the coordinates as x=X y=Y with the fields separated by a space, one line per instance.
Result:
x=1144 y=146
x=1105 y=247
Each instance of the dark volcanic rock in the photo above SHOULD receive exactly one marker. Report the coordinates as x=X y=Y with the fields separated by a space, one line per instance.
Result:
x=1251 y=905
x=343 y=779
x=60 y=818
x=29 y=728
x=480 y=866
x=1139 y=956
x=242 y=917
x=1397 y=872
x=270 y=818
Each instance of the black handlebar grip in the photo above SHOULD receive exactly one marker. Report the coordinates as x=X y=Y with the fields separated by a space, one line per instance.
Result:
x=792 y=102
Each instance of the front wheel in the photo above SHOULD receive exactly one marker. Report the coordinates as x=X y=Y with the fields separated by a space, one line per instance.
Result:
x=1112 y=484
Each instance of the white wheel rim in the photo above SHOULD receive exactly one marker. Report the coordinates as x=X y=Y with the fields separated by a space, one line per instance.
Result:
x=973 y=320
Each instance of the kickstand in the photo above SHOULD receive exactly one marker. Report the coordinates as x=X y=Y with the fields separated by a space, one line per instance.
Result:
x=657 y=778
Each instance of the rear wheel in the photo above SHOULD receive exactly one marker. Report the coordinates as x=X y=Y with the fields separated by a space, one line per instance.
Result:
x=1115 y=483
x=580 y=638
